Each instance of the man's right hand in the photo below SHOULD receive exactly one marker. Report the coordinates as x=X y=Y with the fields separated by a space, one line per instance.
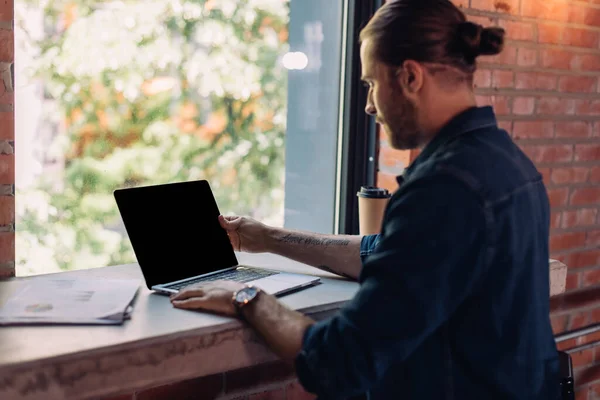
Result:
x=246 y=234
x=339 y=254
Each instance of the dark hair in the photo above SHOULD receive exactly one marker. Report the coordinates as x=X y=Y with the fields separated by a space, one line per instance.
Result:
x=433 y=31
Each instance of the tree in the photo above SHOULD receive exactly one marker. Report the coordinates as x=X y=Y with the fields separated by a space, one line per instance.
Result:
x=154 y=92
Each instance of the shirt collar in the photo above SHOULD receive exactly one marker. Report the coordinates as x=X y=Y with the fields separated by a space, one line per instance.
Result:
x=472 y=119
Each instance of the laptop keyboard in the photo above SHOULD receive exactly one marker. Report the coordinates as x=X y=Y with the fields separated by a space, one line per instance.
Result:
x=239 y=275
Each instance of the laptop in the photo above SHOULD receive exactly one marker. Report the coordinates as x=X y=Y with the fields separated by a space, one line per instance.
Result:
x=178 y=240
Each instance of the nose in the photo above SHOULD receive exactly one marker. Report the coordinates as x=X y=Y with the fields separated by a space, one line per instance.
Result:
x=370 y=107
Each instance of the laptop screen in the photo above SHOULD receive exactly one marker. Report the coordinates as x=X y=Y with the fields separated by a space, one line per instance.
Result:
x=175 y=231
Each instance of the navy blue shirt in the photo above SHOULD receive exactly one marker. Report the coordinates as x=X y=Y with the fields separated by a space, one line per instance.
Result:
x=454 y=293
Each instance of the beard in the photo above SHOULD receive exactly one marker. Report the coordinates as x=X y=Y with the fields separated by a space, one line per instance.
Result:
x=401 y=124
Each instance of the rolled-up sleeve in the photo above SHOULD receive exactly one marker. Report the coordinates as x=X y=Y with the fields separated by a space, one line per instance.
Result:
x=367 y=246
x=429 y=256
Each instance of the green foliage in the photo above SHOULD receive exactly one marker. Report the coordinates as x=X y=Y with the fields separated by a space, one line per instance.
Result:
x=154 y=92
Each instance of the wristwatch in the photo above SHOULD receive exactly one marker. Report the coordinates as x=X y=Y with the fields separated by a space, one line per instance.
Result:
x=244 y=296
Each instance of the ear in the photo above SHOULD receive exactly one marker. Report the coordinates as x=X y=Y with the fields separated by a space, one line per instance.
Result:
x=410 y=77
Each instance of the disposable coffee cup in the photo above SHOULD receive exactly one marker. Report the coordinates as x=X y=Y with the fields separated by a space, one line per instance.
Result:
x=371 y=206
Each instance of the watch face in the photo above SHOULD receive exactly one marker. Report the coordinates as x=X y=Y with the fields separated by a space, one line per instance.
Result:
x=245 y=295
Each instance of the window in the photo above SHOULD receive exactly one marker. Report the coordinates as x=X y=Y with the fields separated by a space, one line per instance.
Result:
x=123 y=93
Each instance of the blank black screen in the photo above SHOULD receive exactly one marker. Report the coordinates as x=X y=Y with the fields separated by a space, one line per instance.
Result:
x=174 y=230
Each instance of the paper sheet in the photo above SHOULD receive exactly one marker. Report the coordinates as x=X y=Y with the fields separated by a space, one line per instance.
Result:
x=70 y=301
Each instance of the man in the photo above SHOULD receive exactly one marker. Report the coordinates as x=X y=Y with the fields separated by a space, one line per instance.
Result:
x=454 y=294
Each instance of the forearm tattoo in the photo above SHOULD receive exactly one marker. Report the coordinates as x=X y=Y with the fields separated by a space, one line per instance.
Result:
x=291 y=238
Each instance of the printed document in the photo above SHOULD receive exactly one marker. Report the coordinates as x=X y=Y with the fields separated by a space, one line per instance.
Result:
x=54 y=300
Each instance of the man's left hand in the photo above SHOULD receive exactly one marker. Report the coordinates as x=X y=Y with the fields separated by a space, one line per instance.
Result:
x=212 y=296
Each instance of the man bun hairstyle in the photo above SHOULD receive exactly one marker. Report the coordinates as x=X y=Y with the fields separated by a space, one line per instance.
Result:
x=479 y=41
x=430 y=31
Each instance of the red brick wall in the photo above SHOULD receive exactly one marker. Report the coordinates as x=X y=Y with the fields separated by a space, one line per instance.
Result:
x=7 y=137
x=273 y=381
x=545 y=88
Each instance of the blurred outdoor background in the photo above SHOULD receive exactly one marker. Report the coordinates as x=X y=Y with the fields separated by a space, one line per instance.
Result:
x=112 y=94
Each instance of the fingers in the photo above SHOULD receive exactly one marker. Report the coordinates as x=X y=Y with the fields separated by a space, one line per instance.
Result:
x=189 y=304
x=188 y=293
x=230 y=223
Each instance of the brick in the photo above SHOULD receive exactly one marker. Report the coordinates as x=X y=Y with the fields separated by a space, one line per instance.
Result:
x=7 y=247
x=587 y=107
x=209 y=386
x=295 y=391
x=568 y=175
x=523 y=105
x=7 y=10
x=499 y=103
x=566 y=344
x=572 y=281
x=555 y=219
x=589 y=62
x=500 y=6
x=398 y=159
x=581 y=259
x=578 y=320
x=575 y=129
x=595 y=388
x=545 y=172
x=549 y=33
x=567 y=241
x=595 y=175
x=7 y=210
x=7 y=126
x=527 y=57
x=558 y=59
x=7 y=169
x=596 y=130
x=7 y=47
x=461 y=3
x=580 y=38
x=575 y=13
x=535 y=81
x=518 y=30
x=581 y=217
x=582 y=358
x=533 y=129
x=549 y=153
x=559 y=323
x=592 y=17
x=589 y=375
x=587 y=152
x=502 y=79
x=387 y=181
x=483 y=78
x=507 y=57
x=583 y=196
x=257 y=375
x=506 y=125
x=558 y=197
x=7 y=95
x=591 y=277
x=595 y=317
x=593 y=238
x=582 y=393
x=543 y=9
x=577 y=84
x=555 y=106
x=592 y=337
x=7 y=270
